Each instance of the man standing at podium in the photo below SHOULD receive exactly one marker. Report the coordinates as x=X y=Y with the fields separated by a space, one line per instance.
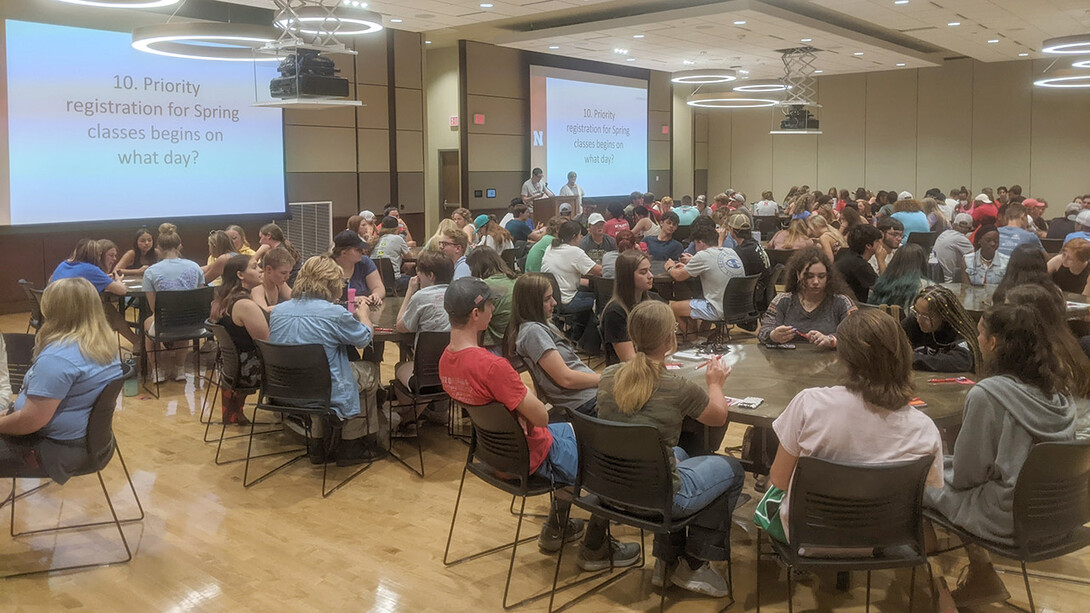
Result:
x=535 y=187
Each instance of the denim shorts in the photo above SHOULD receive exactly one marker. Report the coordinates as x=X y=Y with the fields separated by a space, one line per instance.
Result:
x=562 y=463
x=700 y=308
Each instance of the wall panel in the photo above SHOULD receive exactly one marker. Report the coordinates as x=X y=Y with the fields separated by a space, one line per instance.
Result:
x=1001 y=124
x=944 y=150
x=842 y=144
x=751 y=152
x=891 y=130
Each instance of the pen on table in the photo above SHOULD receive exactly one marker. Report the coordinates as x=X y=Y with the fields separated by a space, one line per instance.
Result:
x=708 y=361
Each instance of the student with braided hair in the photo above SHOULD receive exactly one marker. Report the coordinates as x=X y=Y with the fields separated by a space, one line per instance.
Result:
x=943 y=337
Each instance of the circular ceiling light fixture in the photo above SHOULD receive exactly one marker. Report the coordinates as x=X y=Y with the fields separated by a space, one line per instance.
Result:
x=341 y=20
x=1067 y=78
x=122 y=4
x=703 y=77
x=719 y=100
x=1080 y=64
x=1079 y=43
x=206 y=40
x=762 y=86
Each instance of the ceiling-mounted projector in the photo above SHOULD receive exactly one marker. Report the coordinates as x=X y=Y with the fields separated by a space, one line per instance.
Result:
x=797 y=117
x=307 y=74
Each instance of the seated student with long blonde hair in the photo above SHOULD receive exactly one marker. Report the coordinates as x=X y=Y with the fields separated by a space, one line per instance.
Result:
x=276 y=268
x=795 y=236
x=642 y=391
x=75 y=357
x=220 y=249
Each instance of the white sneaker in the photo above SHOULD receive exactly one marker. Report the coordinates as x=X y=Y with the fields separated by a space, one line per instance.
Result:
x=159 y=376
x=179 y=373
x=703 y=580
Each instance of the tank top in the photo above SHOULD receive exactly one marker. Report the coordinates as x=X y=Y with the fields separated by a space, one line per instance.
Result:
x=238 y=334
x=1070 y=282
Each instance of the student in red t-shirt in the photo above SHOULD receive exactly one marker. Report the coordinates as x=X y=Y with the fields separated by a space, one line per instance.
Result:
x=473 y=375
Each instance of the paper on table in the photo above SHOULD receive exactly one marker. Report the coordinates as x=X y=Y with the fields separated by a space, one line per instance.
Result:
x=749 y=402
x=693 y=354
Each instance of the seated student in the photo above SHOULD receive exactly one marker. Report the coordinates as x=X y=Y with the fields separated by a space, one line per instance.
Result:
x=474 y=376
x=107 y=256
x=893 y=232
x=632 y=286
x=813 y=305
x=312 y=317
x=953 y=245
x=794 y=236
x=827 y=237
x=245 y=322
x=1014 y=232
x=1027 y=265
x=84 y=263
x=220 y=250
x=866 y=419
x=422 y=311
x=617 y=221
x=537 y=251
x=491 y=234
x=1025 y=399
x=455 y=245
x=486 y=264
x=753 y=256
x=521 y=227
x=1082 y=227
x=564 y=380
x=852 y=264
x=626 y=241
x=393 y=247
x=596 y=243
x=942 y=335
x=985 y=266
x=715 y=266
x=75 y=358
x=1070 y=269
x=645 y=224
x=902 y=279
x=393 y=210
x=273 y=289
x=642 y=391
x=271 y=237
x=1060 y=227
x=910 y=214
x=663 y=246
x=463 y=219
x=358 y=270
x=766 y=206
x=171 y=273
x=238 y=239
x=432 y=244
x=1053 y=308
x=136 y=260
x=568 y=264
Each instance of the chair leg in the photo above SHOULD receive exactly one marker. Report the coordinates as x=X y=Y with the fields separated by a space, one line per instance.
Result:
x=757 y=569
x=325 y=467
x=249 y=456
x=912 y=589
x=514 y=550
x=419 y=445
x=454 y=517
x=1029 y=592
x=790 y=590
x=534 y=515
x=216 y=366
x=868 y=591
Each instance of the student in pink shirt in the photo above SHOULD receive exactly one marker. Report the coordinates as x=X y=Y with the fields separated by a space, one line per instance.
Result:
x=617 y=222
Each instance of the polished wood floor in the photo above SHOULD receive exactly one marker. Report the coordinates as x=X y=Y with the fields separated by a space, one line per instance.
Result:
x=208 y=544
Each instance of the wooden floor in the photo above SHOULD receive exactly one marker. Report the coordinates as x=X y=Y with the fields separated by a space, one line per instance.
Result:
x=208 y=544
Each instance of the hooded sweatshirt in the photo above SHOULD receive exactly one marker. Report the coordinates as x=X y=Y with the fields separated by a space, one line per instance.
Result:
x=1003 y=419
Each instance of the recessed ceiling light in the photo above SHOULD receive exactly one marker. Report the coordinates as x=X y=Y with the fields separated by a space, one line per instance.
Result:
x=631 y=59
x=395 y=21
x=858 y=53
x=554 y=47
x=1023 y=55
x=818 y=71
x=900 y=1
x=993 y=41
x=688 y=62
x=619 y=51
x=427 y=42
x=637 y=36
x=954 y=24
x=740 y=23
x=743 y=71
x=807 y=40
x=486 y=5
x=900 y=64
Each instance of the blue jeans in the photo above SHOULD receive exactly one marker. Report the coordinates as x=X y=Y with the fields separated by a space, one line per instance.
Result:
x=704 y=481
x=584 y=323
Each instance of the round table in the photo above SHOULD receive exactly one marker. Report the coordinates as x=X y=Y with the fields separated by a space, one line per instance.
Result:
x=977 y=298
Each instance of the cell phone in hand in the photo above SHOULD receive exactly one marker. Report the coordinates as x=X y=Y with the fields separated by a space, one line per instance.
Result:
x=780 y=345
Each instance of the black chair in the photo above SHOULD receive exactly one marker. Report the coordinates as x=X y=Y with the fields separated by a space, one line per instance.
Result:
x=779 y=256
x=509 y=256
x=20 y=350
x=1051 y=508
x=228 y=367
x=873 y=507
x=682 y=234
x=625 y=476
x=603 y=292
x=34 y=296
x=297 y=382
x=180 y=316
x=101 y=446
x=1051 y=245
x=923 y=239
x=777 y=275
x=424 y=386
x=767 y=225
x=738 y=308
x=565 y=323
x=499 y=456
x=388 y=274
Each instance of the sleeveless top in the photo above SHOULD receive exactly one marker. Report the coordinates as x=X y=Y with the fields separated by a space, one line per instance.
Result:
x=238 y=334
x=1070 y=282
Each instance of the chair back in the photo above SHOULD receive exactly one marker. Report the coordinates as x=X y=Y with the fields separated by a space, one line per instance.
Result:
x=100 y=426
x=738 y=298
x=429 y=348
x=508 y=256
x=767 y=225
x=779 y=256
x=842 y=505
x=34 y=296
x=389 y=277
x=893 y=310
x=498 y=440
x=295 y=375
x=182 y=311
x=923 y=239
x=230 y=363
x=1051 y=496
x=682 y=233
x=20 y=350
x=556 y=286
x=1051 y=245
x=603 y=292
x=623 y=464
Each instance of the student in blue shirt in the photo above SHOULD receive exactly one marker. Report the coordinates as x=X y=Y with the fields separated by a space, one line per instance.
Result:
x=312 y=317
x=663 y=247
x=170 y=274
x=84 y=263
x=359 y=270
x=76 y=358
x=1015 y=233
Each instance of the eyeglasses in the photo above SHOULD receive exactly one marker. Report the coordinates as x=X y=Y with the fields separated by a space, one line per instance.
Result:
x=445 y=244
x=918 y=315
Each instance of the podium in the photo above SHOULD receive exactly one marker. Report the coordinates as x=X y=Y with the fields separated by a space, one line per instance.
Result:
x=546 y=208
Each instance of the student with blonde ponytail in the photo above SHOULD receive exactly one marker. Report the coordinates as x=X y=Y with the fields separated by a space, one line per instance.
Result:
x=642 y=391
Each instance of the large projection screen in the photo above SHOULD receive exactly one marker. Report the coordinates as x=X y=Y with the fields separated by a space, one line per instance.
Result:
x=99 y=131
x=593 y=124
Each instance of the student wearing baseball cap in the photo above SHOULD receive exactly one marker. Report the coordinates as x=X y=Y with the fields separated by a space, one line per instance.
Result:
x=1082 y=227
x=597 y=242
x=1060 y=227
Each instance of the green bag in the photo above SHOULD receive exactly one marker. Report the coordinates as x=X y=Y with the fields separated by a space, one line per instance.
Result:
x=767 y=515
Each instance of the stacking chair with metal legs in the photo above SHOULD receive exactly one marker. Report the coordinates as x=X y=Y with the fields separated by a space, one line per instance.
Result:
x=34 y=296
x=297 y=381
x=876 y=508
x=1051 y=510
x=180 y=316
x=625 y=476
x=101 y=447
x=424 y=387
x=20 y=354
x=228 y=369
x=738 y=308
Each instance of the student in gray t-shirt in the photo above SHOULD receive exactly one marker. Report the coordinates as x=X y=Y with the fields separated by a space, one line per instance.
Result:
x=422 y=309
